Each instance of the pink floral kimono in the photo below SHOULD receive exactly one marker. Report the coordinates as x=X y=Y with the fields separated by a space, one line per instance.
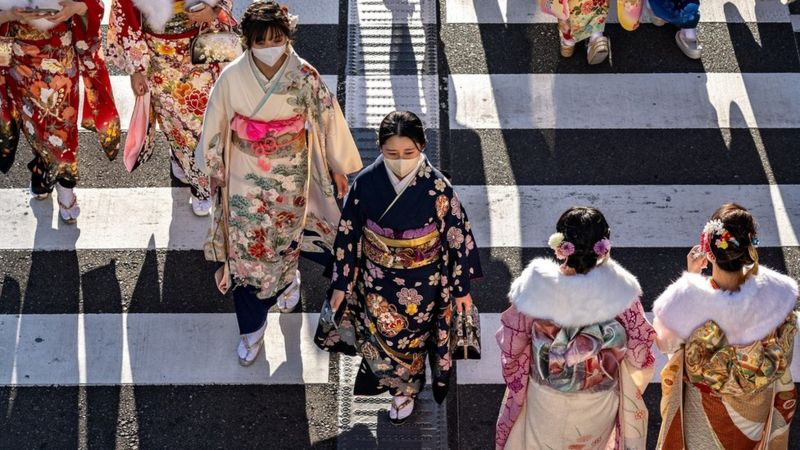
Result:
x=577 y=354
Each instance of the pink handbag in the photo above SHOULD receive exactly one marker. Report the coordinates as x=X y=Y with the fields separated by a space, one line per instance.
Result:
x=138 y=132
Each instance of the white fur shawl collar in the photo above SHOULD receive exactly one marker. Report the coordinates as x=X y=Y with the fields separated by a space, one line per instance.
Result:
x=159 y=12
x=748 y=315
x=572 y=301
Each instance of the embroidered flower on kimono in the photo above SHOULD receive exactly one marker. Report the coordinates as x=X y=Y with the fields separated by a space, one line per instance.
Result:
x=339 y=254
x=345 y=226
x=411 y=309
x=55 y=141
x=82 y=45
x=442 y=206
x=51 y=65
x=66 y=39
x=439 y=184
x=257 y=250
x=455 y=237
x=408 y=296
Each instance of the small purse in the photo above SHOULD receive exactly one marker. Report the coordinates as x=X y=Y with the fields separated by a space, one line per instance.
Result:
x=216 y=47
x=465 y=339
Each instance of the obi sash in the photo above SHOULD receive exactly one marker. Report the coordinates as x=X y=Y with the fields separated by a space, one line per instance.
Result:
x=412 y=250
x=264 y=139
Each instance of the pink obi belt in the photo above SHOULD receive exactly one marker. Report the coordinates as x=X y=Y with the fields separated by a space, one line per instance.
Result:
x=266 y=138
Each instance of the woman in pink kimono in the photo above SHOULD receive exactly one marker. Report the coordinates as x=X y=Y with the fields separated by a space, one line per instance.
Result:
x=575 y=347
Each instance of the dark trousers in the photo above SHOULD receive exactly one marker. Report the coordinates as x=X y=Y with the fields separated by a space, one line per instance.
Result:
x=251 y=311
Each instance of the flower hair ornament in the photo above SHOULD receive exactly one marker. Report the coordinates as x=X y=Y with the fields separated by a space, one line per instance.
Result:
x=564 y=249
x=293 y=18
x=714 y=230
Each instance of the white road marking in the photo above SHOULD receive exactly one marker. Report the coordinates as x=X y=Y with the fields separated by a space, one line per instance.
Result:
x=154 y=349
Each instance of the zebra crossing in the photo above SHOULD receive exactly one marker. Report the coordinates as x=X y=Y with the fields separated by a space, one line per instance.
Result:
x=113 y=332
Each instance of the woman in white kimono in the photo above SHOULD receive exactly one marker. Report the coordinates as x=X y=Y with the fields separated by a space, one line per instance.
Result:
x=285 y=141
x=575 y=347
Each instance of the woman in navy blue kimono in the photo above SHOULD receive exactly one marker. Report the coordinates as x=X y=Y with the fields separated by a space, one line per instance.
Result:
x=404 y=257
x=684 y=14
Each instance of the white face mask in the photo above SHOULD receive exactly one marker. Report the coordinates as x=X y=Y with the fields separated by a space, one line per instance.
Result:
x=269 y=55
x=402 y=167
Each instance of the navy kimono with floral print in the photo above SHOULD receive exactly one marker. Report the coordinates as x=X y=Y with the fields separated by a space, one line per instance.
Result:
x=401 y=270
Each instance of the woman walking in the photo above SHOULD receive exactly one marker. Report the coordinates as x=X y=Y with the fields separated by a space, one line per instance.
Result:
x=730 y=339
x=404 y=255
x=575 y=347
x=272 y=136
x=54 y=49
x=151 y=41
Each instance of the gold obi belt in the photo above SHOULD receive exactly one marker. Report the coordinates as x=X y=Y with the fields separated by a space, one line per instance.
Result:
x=423 y=249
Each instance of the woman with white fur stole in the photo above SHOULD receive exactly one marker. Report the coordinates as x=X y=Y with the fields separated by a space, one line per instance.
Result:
x=151 y=41
x=730 y=339
x=576 y=349
x=50 y=47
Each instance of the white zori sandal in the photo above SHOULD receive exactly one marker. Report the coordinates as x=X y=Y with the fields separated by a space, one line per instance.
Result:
x=250 y=346
x=289 y=299
x=402 y=407
x=68 y=209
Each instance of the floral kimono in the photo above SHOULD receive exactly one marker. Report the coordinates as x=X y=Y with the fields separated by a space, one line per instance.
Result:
x=402 y=258
x=727 y=384
x=281 y=155
x=40 y=94
x=681 y=13
x=578 y=19
x=576 y=355
x=154 y=37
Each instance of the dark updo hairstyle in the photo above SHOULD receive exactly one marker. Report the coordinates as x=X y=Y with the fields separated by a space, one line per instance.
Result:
x=403 y=124
x=261 y=17
x=742 y=226
x=583 y=226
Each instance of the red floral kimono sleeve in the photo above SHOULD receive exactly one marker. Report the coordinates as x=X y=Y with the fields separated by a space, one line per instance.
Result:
x=99 y=109
x=127 y=48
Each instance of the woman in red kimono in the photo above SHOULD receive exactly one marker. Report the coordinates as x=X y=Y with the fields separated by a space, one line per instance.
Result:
x=151 y=41
x=39 y=92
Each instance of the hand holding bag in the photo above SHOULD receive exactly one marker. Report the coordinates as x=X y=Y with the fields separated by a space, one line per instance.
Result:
x=465 y=339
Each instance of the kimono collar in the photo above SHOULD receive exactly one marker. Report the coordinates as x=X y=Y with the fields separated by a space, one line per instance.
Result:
x=543 y=292
x=748 y=315
x=159 y=12
x=398 y=184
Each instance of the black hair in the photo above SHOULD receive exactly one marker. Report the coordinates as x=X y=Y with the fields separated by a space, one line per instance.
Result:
x=742 y=226
x=583 y=226
x=403 y=124
x=261 y=17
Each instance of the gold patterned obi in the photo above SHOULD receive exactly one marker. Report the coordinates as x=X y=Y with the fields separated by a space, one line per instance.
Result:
x=715 y=366
x=411 y=250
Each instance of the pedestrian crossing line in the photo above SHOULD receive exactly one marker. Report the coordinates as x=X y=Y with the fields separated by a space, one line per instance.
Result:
x=501 y=216
x=660 y=101
x=526 y=11
x=487 y=370
x=154 y=349
x=125 y=100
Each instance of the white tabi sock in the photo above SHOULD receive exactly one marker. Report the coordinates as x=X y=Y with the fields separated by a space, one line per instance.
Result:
x=690 y=34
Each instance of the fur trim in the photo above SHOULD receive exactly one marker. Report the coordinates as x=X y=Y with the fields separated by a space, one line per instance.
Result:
x=542 y=291
x=159 y=12
x=748 y=315
x=39 y=24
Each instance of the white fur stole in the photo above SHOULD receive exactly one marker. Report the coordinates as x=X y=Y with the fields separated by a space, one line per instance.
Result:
x=159 y=12
x=748 y=315
x=543 y=292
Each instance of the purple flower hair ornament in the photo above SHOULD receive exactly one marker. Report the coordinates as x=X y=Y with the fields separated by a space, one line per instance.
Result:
x=602 y=247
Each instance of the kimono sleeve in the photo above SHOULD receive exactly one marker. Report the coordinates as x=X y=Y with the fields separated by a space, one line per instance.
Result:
x=463 y=260
x=341 y=152
x=126 y=47
x=514 y=339
x=345 y=248
x=641 y=336
x=216 y=131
